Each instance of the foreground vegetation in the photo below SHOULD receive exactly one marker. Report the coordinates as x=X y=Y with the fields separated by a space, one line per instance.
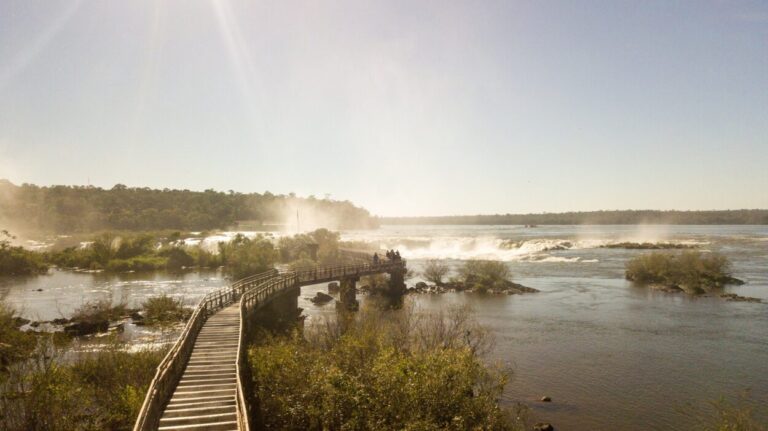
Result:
x=691 y=271
x=67 y=209
x=45 y=386
x=96 y=391
x=382 y=370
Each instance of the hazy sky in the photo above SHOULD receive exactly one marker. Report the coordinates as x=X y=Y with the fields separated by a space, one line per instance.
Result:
x=404 y=107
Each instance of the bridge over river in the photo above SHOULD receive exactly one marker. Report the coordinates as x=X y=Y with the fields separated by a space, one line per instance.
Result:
x=203 y=383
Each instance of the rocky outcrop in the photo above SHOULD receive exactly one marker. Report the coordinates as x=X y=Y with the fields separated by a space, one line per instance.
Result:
x=509 y=288
x=87 y=328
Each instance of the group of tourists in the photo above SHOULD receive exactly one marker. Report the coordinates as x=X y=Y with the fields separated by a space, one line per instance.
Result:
x=391 y=255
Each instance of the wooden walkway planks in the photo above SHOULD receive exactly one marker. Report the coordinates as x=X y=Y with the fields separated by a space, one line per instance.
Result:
x=205 y=398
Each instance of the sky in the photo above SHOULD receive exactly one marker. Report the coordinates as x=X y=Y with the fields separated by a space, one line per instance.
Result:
x=403 y=107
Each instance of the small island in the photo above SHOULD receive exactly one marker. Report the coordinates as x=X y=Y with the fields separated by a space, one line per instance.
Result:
x=692 y=272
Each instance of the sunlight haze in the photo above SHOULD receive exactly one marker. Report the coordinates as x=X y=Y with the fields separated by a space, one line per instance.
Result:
x=404 y=108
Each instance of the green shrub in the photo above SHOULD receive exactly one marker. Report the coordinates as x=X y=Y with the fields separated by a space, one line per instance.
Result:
x=244 y=256
x=95 y=391
x=381 y=370
x=692 y=271
x=482 y=275
x=164 y=310
x=98 y=311
x=15 y=345
x=17 y=260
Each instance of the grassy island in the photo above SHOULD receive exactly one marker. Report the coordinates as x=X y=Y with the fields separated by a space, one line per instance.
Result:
x=690 y=271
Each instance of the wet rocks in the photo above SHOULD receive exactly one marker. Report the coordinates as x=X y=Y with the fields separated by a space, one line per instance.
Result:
x=545 y=399
x=321 y=298
x=509 y=288
x=20 y=321
x=60 y=321
x=732 y=297
x=87 y=328
x=543 y=426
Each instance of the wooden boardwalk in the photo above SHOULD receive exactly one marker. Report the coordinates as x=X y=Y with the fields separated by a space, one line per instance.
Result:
x=200 y=385
x=205 y=398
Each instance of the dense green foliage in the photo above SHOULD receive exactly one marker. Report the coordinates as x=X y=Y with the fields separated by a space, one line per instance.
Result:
x=756 y=216
x=691 y=271
x=17 y=260
x=133 y=252
x=482 y=275
x=381 y=370
x=88 y=209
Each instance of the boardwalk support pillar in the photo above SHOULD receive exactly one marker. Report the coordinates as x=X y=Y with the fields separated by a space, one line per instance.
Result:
x=282 y=313
x=347 y=294
x=396 y=287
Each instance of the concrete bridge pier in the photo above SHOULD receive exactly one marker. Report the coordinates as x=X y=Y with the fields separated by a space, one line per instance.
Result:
x=348 y=294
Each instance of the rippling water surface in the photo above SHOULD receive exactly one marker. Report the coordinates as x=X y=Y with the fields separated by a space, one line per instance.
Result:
x=611 y=355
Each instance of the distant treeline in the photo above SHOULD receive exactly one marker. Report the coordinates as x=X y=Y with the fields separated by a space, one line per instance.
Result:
x=64 y=209
x=596 y=217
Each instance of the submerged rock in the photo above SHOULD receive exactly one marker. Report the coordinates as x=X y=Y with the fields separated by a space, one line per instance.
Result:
x=543 y=426
x=545 y=399
x=87 y=328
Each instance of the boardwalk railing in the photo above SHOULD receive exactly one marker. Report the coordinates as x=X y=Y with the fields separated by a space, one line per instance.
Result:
x=252 y=292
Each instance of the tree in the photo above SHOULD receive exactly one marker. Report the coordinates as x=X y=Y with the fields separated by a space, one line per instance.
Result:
x=435 y=270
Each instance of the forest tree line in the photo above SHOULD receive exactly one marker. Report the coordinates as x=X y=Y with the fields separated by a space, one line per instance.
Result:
x=741 y=217
x=66 y=209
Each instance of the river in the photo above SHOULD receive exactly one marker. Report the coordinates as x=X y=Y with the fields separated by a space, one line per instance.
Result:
x=610 y=354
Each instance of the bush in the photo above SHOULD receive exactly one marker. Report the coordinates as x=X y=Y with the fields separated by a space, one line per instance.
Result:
x=381 y=370
x=692 y=271
x=96 y=312
x=95 y=391
x=177 y=258
x=435 y=270
x=15 y=345
x=17 y=260
x=482 y=275
x=163 y=310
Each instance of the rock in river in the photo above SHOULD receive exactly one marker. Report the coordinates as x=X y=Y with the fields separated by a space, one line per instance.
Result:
x=321 y=298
